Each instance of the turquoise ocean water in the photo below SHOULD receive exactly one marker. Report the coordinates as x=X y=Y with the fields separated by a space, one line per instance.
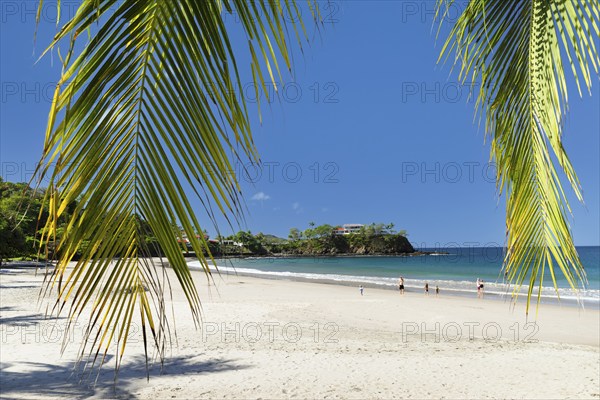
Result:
x=455 y=272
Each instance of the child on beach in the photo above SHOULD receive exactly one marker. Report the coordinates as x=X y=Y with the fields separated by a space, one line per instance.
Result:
x=427 y=288
x=361 y=289
x=437 y=291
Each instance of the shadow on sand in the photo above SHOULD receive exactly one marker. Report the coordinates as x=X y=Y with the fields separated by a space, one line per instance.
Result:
x=38 y=379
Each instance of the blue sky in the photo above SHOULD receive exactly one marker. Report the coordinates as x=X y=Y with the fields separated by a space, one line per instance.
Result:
x=368 y=129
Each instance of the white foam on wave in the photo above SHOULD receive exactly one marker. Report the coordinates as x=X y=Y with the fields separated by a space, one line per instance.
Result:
x=459 y=287
x=12 y=271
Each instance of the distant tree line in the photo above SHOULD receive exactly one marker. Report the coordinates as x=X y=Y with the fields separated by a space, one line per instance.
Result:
x=20 y=230
x=20 y=207
x=319 y=240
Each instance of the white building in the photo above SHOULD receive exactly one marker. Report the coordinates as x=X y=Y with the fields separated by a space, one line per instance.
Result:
x=231 y=243
x=347 y=229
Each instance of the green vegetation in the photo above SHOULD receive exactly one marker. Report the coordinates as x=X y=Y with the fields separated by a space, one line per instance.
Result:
x=370 y=239
x=20 y=207
x=12 y=238
x=23 y=217
x=319 y=241
x=151 y=80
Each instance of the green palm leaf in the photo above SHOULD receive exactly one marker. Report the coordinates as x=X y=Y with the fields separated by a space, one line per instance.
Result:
x=146 y=110
x=516 y=50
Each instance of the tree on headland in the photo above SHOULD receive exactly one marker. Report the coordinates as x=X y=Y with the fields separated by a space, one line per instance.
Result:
x=250 y=242
x=324 y=241
x=390 y=227
x=144 y=110
x=295 y=234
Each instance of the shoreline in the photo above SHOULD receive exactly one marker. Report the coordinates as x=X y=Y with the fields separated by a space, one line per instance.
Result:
x=326 y=341
x=415 y=253
x=411 y=288
x=414 y=290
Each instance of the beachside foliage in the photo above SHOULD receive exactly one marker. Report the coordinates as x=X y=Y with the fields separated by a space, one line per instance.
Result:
x=19 y=208
x=518 y=51
x=317 y=241
x=149 y=108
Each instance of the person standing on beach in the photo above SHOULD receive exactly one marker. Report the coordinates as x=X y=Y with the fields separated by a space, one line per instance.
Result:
x=478 y=288
x=427 y=288
x=437 y=291
x=401 y=285
x=481 y=288
x=361 y=289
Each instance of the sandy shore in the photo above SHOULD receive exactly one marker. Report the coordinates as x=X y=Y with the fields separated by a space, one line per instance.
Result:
x=279 y=339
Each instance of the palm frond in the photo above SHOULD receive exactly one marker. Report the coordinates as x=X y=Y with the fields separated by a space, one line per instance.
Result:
x=516 y=50
x=149 y=106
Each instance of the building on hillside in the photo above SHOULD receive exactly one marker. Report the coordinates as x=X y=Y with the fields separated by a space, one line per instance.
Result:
x=184 y=240
x=231 y=243
x=347 y=229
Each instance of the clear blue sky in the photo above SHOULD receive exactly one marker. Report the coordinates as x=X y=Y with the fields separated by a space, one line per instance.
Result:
x=369 y=129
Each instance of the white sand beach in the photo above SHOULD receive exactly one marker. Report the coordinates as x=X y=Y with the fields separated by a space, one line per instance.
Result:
x=281 y=339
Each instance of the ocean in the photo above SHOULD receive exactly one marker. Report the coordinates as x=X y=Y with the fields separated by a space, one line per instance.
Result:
x=455 y=272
